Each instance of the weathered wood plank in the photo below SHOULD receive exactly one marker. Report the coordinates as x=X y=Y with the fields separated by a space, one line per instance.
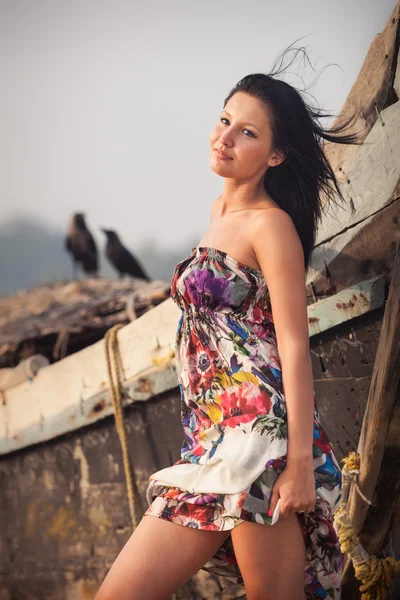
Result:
x=341 y=405
x=345 y=305
x=372 y=177
x=347 y=351
x=364 y=251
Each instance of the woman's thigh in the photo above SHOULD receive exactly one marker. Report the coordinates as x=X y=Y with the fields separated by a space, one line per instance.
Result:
x=271 y=559
x=158 y=558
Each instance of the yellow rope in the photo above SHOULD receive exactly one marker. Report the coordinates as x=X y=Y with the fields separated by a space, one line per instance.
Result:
x=116 y=392
x=375 y=574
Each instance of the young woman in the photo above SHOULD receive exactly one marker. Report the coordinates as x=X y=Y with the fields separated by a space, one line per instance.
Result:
x=254 y=492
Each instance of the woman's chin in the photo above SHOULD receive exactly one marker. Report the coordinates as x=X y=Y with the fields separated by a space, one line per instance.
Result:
x=220 y=168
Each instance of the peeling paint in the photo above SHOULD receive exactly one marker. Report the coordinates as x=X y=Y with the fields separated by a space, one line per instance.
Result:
x=66 y=524
x=97 y=408
x=31 y=518
x=82 y=589
x=84 y=482
x=313 y=320
x=99 y=517
x=144 y=385
x=113 y=465
x=346 y=305
x=49 y=480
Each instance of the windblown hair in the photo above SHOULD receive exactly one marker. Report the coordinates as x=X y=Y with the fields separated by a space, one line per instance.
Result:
x=298 y=184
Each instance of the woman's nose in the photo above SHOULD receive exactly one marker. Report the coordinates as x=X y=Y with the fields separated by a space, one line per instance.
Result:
x=226 y=138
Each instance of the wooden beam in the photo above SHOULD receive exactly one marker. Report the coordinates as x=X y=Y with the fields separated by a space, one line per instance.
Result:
x=381 y=418
x=345 y=305
x=382 y=399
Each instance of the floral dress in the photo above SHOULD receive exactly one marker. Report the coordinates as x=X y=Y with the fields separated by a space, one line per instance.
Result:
x=233 y=412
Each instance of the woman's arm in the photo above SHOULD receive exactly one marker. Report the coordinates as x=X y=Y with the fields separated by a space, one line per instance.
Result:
x=279 y=252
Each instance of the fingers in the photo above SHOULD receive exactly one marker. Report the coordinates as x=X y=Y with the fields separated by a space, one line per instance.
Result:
x=288 y=508
x=274 y=500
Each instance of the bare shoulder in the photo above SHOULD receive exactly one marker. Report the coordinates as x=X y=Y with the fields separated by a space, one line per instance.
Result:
x=271 y=216
x=274 y=233
x=274 y=221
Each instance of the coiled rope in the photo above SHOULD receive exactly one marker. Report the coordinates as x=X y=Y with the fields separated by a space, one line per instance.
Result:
x=376 y=574
x=116 y=393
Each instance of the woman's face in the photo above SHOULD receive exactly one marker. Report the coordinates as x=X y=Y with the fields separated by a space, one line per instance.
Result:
x=245 y=136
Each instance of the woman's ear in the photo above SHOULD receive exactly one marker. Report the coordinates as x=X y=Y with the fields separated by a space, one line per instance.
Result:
x=276 y=158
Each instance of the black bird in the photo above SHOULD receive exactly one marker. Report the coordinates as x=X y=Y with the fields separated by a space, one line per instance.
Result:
x=80 y=243
x=121 y=258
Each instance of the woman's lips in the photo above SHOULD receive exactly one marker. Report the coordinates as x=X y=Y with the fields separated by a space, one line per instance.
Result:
x=222 y=155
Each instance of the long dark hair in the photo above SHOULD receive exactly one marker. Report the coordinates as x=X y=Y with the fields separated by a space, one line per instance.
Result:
x=304 y=183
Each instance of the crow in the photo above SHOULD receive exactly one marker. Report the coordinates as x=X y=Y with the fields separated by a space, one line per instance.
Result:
x=80 y=243
x=121 y=258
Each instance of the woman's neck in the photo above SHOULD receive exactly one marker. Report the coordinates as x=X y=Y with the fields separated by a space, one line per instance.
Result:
x=239 y=195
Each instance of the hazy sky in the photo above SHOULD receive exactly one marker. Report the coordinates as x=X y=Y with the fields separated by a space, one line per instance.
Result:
x=107 y=106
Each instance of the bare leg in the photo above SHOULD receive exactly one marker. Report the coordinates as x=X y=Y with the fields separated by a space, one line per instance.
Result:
x=271 y=559
x=159 y=557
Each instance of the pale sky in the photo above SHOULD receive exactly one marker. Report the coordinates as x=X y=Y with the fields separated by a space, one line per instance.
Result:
x=106 y=106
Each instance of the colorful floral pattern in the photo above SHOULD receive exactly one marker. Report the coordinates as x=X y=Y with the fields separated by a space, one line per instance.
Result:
x=233 y=412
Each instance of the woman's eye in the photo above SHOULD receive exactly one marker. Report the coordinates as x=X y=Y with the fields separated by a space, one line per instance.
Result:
x=223 y=119
x=249 y=133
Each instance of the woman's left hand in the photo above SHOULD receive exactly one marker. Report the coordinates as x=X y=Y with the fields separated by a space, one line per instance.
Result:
x=295 y=487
